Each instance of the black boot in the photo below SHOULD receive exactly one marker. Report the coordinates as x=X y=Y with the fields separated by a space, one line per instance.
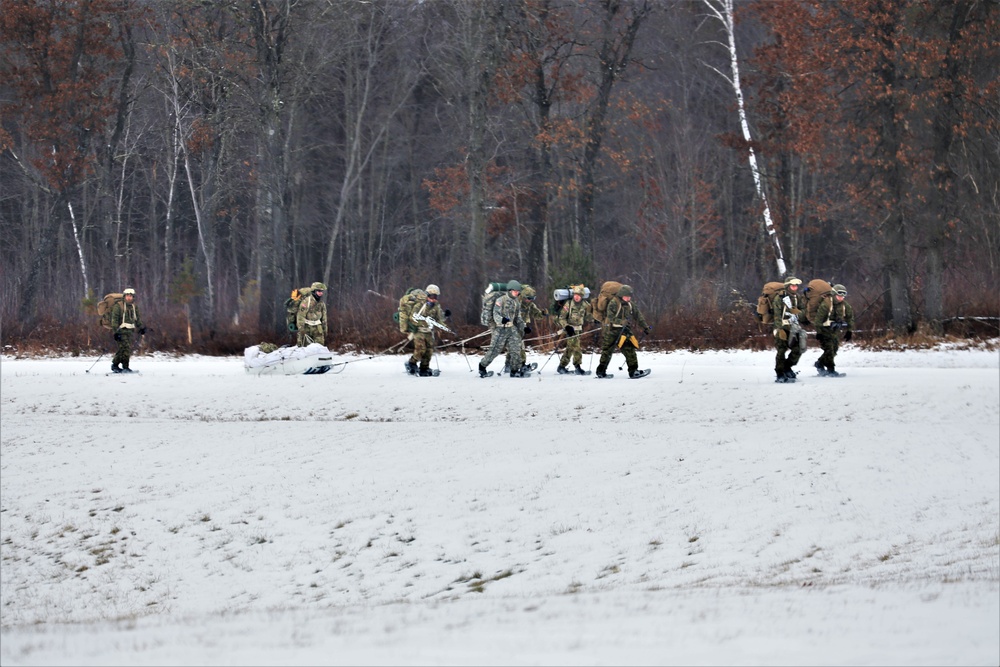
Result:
x=780 y=376
x=482 y=371
x=115 y=368
x=411 y=367
x=562 y=370
x=830 y=372
x=425 y=372
x=580 y=371
x=821 y=369
x=789 y=375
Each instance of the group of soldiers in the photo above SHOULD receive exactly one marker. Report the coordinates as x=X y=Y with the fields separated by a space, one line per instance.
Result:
x=834 y=318
x=515 y=310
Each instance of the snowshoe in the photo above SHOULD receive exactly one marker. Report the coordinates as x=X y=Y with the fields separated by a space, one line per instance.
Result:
x=835 y=374
x=604 y=376
x=580 y=371
x=562 y=370
x=639 y=374
x=429 y=372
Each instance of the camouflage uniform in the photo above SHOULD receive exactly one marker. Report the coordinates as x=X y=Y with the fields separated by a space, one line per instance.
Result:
x=529 y=312
x=833 y=315
x=789 y=337
x=620 y=314
x=423 y=336
x=125 y=322
x=311 y=318
x=574 y=314
x=506 y=335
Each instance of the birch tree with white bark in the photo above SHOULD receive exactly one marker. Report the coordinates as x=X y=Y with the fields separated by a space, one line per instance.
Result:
x=722 y=11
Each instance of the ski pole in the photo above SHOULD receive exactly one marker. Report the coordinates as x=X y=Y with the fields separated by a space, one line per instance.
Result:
x=548 y=360
x=95 y=361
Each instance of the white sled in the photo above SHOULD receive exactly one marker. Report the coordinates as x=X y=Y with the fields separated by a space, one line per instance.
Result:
x=314 y=359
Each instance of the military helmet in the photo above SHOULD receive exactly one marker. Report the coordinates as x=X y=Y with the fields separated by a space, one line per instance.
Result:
x=419 y=294
x=513 y=285
x=792 y=280
x=433 y=289
x=318 y=286
x=624 y=290
x=578 y=289
x=128 y=290
x=528 y=292
x=839 y=290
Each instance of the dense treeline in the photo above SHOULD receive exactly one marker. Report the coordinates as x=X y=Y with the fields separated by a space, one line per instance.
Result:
x=215 y=155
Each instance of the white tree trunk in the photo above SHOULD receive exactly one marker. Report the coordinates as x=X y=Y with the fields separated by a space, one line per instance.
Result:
x=722 y=10
x=79 y=251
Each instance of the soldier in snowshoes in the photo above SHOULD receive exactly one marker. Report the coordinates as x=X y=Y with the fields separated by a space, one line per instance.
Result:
x=125 y=322
x=507 y=332
x=621 y=320
x=833 y=316
x=530 y=313
x=788 y=306
x=311 y=317
x=423 y=333
x=574 y=314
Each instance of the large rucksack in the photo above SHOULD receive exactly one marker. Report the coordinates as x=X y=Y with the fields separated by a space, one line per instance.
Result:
x=292 y=307
x=563 y=294
x=104 y=307
x=816 y=291
x=410 y=300
x=608 y=290
x=764 y=312
x=490 y=295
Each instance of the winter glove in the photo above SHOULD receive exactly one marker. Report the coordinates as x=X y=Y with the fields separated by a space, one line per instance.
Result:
x=847 y=335
x=447 y=313
x=504 y=320
x=409 y=336
x=527 y=330
x=569 y=330
x=118 y=336
x=645 y=332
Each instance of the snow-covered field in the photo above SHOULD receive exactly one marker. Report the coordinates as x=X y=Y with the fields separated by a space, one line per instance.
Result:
x=703 y=515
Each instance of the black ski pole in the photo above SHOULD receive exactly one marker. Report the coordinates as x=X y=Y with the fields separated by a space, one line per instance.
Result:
x=554 y=351
x=95 y=361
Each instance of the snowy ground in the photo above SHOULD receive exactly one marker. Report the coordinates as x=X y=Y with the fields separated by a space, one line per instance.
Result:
x=703 y=515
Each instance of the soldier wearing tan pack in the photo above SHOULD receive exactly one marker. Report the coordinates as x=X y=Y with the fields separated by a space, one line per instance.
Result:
x=310 y=320
x=125 y=322
x=621 y=317
x=833 y=316
x=423 y=332
x=788 y=306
